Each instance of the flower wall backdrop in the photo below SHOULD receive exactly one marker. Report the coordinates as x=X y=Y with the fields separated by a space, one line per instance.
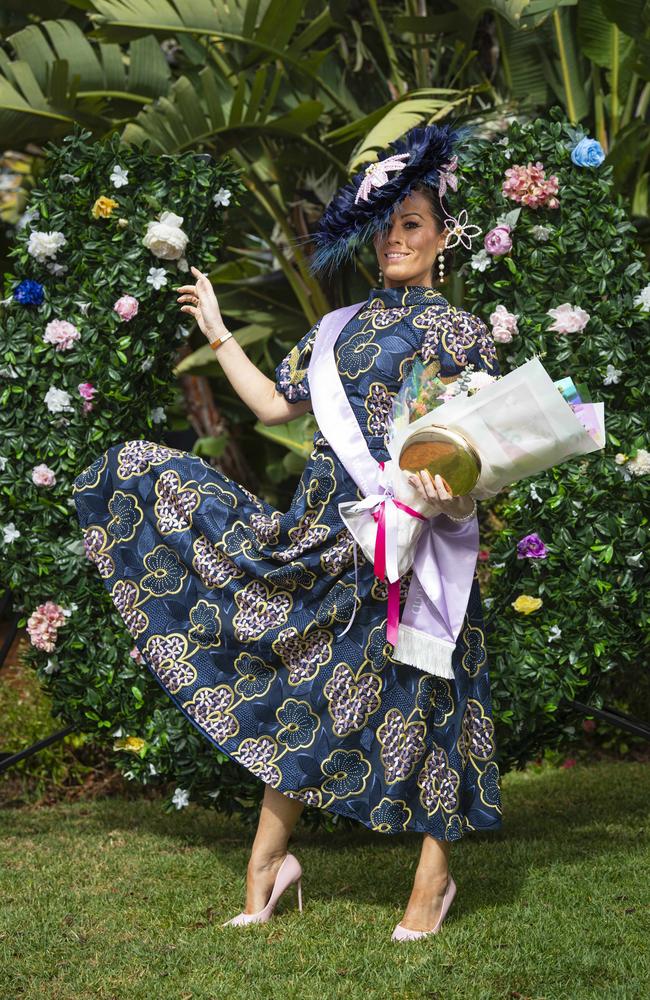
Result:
x=559 y=274
x=89 y=327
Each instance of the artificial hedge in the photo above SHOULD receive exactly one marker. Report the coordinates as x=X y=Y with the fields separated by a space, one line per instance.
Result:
x=580 y=529
x=76 y=376
x=587 y=563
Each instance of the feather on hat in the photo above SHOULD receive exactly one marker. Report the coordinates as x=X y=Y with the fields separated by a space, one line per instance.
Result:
x=424 y=155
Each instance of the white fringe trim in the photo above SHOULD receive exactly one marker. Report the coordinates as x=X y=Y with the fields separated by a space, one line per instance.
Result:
x=419 y=649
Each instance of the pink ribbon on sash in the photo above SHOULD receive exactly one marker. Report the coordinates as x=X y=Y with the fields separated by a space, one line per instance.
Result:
x=446 y=551
x=379 y=515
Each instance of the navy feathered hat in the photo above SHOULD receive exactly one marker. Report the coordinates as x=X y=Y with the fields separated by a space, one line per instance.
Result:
x=424 y=155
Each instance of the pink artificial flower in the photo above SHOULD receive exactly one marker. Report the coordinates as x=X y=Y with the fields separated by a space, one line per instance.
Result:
x=531 y=547
x=589 y=725
x=42 y=475
x=504 y=324
x=43 y=623
x=568 y=318
x=126 y=307
x=483 y=555
x=136 y=655
x=569 y=762
x=87 y=406
x=498 y=240
x=528 y=186
x=61 y=333
x=87 y=390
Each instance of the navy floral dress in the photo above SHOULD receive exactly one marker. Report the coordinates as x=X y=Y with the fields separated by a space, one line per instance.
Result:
x=237 y=607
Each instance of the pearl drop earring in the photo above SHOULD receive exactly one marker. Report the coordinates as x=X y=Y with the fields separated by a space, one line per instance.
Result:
x=441 y=266
x=380 y=278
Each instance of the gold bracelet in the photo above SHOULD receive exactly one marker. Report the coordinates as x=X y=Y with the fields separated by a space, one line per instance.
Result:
x=214 y=344
x=467 y=517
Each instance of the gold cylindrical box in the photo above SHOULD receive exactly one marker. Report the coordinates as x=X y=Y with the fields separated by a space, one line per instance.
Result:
x=445 y=452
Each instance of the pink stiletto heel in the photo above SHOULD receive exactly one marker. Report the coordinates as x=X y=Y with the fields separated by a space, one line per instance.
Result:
x=404 y=934
x=289 y=872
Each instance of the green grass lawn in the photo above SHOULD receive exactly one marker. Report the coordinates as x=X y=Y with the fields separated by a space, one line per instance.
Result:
x=115 y=900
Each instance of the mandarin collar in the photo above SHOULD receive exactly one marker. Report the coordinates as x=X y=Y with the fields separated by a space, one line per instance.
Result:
x=406 y=295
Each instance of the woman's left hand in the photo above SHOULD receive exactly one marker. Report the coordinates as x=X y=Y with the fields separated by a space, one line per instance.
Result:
x=434 y=490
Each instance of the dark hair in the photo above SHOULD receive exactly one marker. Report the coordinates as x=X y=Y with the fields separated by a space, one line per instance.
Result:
x=439 y=212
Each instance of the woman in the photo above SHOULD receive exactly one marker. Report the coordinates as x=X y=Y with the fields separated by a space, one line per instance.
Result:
x=249 y=603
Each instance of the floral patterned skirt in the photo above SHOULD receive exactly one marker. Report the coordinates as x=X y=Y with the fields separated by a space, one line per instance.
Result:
x=238 y=609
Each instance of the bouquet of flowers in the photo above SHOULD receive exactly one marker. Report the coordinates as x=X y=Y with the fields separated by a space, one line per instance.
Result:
x=481 y=434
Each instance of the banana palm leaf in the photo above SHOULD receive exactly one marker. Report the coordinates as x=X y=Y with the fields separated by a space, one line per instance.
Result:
x=209 y=109
x=60 y=77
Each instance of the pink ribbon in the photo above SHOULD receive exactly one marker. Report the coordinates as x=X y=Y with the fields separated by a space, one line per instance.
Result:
x=379 y=515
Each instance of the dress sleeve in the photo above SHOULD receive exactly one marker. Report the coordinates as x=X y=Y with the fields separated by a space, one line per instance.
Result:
x=291 y=374
x=459 y=338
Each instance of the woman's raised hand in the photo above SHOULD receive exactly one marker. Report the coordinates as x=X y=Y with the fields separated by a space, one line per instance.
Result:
x=202 y=305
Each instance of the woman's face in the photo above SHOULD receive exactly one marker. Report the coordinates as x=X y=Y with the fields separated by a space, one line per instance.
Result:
x=407 y=249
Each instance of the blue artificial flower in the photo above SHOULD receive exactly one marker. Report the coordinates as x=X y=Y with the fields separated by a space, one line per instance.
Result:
x=29 y=293
x=587 y=153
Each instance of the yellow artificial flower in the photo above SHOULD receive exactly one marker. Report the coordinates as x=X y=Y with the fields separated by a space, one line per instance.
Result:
x=103 y=207
x=132 y=743
x=525 y=604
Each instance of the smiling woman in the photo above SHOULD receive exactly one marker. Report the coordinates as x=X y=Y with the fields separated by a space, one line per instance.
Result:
x=262 y=625
x=407 y=249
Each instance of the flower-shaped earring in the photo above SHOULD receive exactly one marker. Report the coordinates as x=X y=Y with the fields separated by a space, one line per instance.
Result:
x=459 y=231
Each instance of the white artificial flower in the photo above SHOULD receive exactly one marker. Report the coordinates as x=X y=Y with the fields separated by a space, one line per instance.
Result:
x=56 y=269
x=152 y=769
x=3 y=462
x=122 y=223
x=165 y=238
x=158 y=415
x=481 y=260
x=71 y=502
x=620 y=458
x=541 y=233
x=640 y=465
x=119 y=176
x=69 y=178
x=157 y=277
x=612 y=375
x=534 y=494
x=146 y=364
x=83 y=307
x=10 y=533
x=634 y=561
x=43 y=245
x=554 y=633
x=222 y=197
x=28 y=216
x=642 y=300
x=182 y=264
x=118 y=732
x=52 y=666
x=214 y=795
x=508 y=154
x=181 y=798
x=57 y=400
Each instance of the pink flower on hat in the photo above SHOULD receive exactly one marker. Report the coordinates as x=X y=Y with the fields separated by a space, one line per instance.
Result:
x=376 y=174
x=447 y=176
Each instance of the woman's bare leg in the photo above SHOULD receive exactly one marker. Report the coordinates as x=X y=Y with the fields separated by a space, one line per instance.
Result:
x=278 y=816
x=430 y=882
